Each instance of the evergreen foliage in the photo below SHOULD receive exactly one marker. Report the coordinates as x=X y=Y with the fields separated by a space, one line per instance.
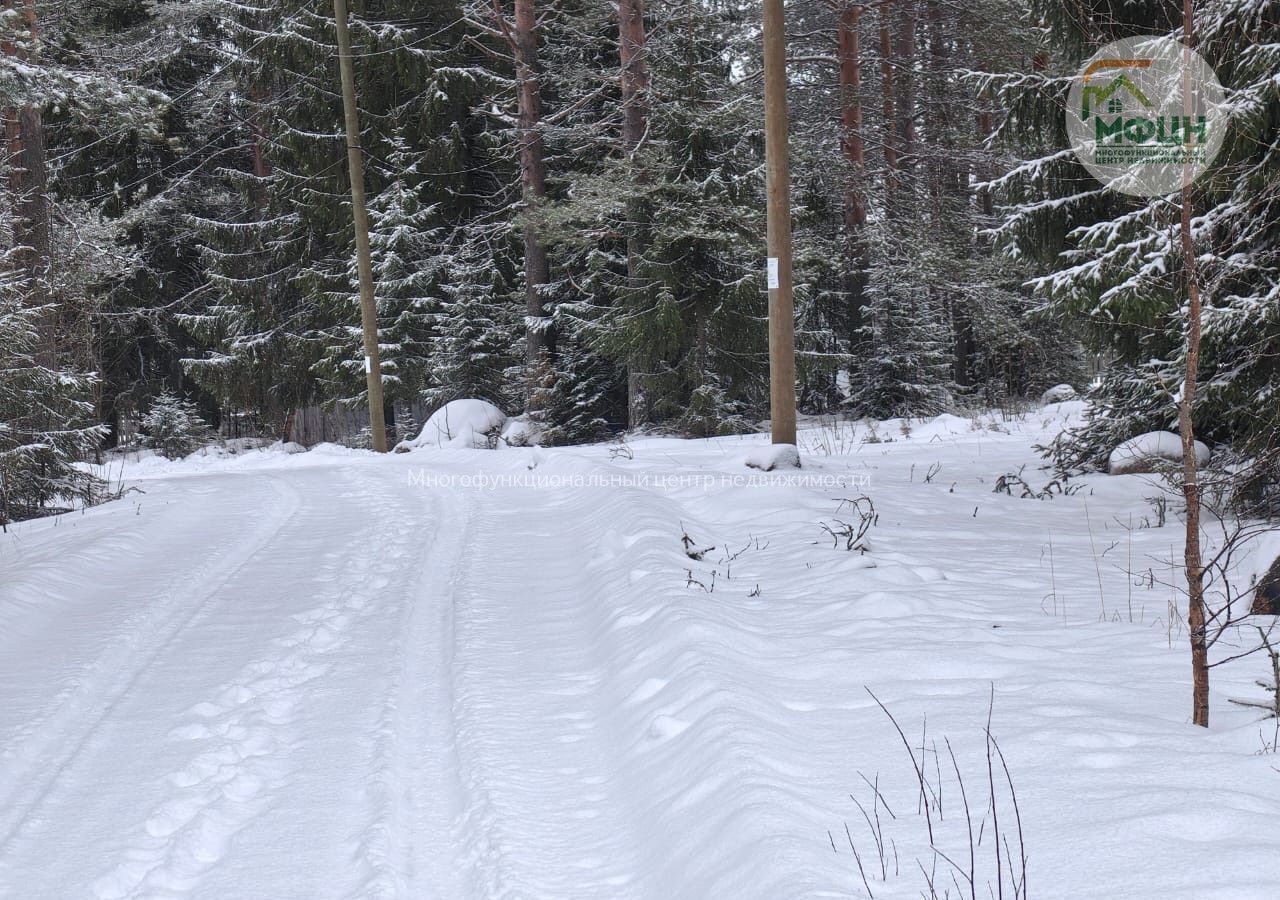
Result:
x=173 y=426
x=46 y=424
x=1110 y=263
x=201 y=220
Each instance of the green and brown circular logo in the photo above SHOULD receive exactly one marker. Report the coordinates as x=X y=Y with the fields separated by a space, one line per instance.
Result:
x=1146 y=115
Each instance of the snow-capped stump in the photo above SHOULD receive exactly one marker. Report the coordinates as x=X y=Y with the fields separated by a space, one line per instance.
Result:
x=1149 y=451
x=773 y=456
x=1059 y=393
x=461 y=424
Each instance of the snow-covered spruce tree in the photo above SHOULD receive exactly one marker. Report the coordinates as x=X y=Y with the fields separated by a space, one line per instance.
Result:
x=173 y=426
x=666 y=235
x=54 y=260
x=404 y=235
x=46 y=420
x=250 y=318
x=897 y=176
x=904 y=362
x=476 y=338
x=476 y=345
x=433 y=200
x=281 y=316
x=1111 y=263
x=128 y=161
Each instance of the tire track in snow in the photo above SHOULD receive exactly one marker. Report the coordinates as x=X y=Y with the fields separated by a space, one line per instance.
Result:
x=416 y=795
x=533 y=702
x=702 y=750
x=44 y=598
x=246 y=732
x=34 y=768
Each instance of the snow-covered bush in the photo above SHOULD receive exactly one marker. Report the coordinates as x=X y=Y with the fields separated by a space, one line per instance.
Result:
x=173 y=426
x=1151 y=451
x=461 y=424
x=711 y=411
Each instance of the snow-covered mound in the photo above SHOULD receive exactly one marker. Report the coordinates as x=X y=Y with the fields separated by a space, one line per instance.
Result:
x=1057 y=394
x=461 y=424
x=1146 y=451
x=521 y=432
x=768 y=457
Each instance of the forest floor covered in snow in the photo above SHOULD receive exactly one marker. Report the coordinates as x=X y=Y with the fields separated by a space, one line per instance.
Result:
x=635 y=670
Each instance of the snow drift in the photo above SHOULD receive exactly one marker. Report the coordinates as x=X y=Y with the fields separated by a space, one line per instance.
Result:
x=461 y=424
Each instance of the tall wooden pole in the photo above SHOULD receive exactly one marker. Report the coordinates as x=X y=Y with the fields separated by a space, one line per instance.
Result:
x=1196 y=618
x=782 y=350
x=359 y=212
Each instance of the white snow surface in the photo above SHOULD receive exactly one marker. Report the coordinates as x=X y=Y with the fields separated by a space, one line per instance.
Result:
x=1136 y=454
x=450 y=676
x=460 y=424
x=768 y=457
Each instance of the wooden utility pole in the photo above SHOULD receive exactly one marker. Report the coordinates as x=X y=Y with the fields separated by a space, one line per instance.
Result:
x=1196 y=618
x=782 y=344
x=359 y=212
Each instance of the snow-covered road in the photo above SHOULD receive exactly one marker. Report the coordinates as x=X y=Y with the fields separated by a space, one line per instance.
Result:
x=334 y=676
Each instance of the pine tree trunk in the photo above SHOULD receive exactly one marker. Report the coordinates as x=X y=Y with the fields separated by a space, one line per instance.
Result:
x=260 y=96
x=986 y=202
x=887 y=66
x=29 y=183
x=905 y=82
x=533 y=179
x=848 y=41
x=937 y=100
x=1196 y=618
x=949 y=182
x=632 y=41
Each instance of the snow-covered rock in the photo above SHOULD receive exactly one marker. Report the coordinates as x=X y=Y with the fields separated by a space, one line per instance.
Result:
x=1146 y=451
x=520 y=432
x=461 y=424
x=1057 y=394
x=768 y=457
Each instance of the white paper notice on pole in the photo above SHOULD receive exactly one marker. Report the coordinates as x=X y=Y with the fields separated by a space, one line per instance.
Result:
x=773 y=273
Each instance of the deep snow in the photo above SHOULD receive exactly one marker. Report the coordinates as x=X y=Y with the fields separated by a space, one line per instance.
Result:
x=470 y=674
